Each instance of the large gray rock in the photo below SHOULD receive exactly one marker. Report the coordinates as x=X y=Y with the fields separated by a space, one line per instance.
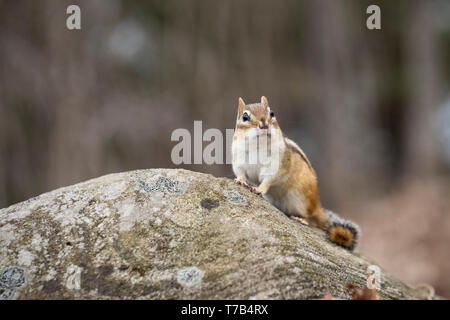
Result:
x=169 y=234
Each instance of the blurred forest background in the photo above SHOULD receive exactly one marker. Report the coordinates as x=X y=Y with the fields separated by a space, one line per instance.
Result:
x=371 y=108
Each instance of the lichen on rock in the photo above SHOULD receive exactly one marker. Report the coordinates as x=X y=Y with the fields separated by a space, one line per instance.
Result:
x=169 y=234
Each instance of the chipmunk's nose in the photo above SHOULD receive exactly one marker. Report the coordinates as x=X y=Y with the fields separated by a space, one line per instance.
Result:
x=263 y=124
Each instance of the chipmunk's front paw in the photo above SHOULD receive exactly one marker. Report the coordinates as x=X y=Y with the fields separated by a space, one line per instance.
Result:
x=255 y=191
x=244 y=184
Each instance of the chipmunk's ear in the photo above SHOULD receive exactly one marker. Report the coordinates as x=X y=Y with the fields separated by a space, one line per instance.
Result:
x=264 y=100
x=241 y=106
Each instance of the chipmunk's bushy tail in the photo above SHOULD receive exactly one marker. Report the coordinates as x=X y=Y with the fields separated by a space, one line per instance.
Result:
x=344 y=233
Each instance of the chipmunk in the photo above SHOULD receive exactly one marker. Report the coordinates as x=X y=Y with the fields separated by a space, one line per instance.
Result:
x=288 y=181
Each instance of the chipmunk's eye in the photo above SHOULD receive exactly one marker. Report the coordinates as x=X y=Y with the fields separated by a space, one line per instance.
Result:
x=272 y=114
x=245 y=117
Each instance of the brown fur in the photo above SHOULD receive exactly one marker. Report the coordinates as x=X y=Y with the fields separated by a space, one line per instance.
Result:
x=302 y=178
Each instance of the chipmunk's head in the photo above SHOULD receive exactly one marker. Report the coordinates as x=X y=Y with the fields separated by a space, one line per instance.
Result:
x=257 y=116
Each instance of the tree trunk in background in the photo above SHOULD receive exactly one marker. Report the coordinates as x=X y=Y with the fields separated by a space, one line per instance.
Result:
x=344 y=99
x=420 y=156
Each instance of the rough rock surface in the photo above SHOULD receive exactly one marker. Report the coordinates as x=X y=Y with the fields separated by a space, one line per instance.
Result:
x=170 y=234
